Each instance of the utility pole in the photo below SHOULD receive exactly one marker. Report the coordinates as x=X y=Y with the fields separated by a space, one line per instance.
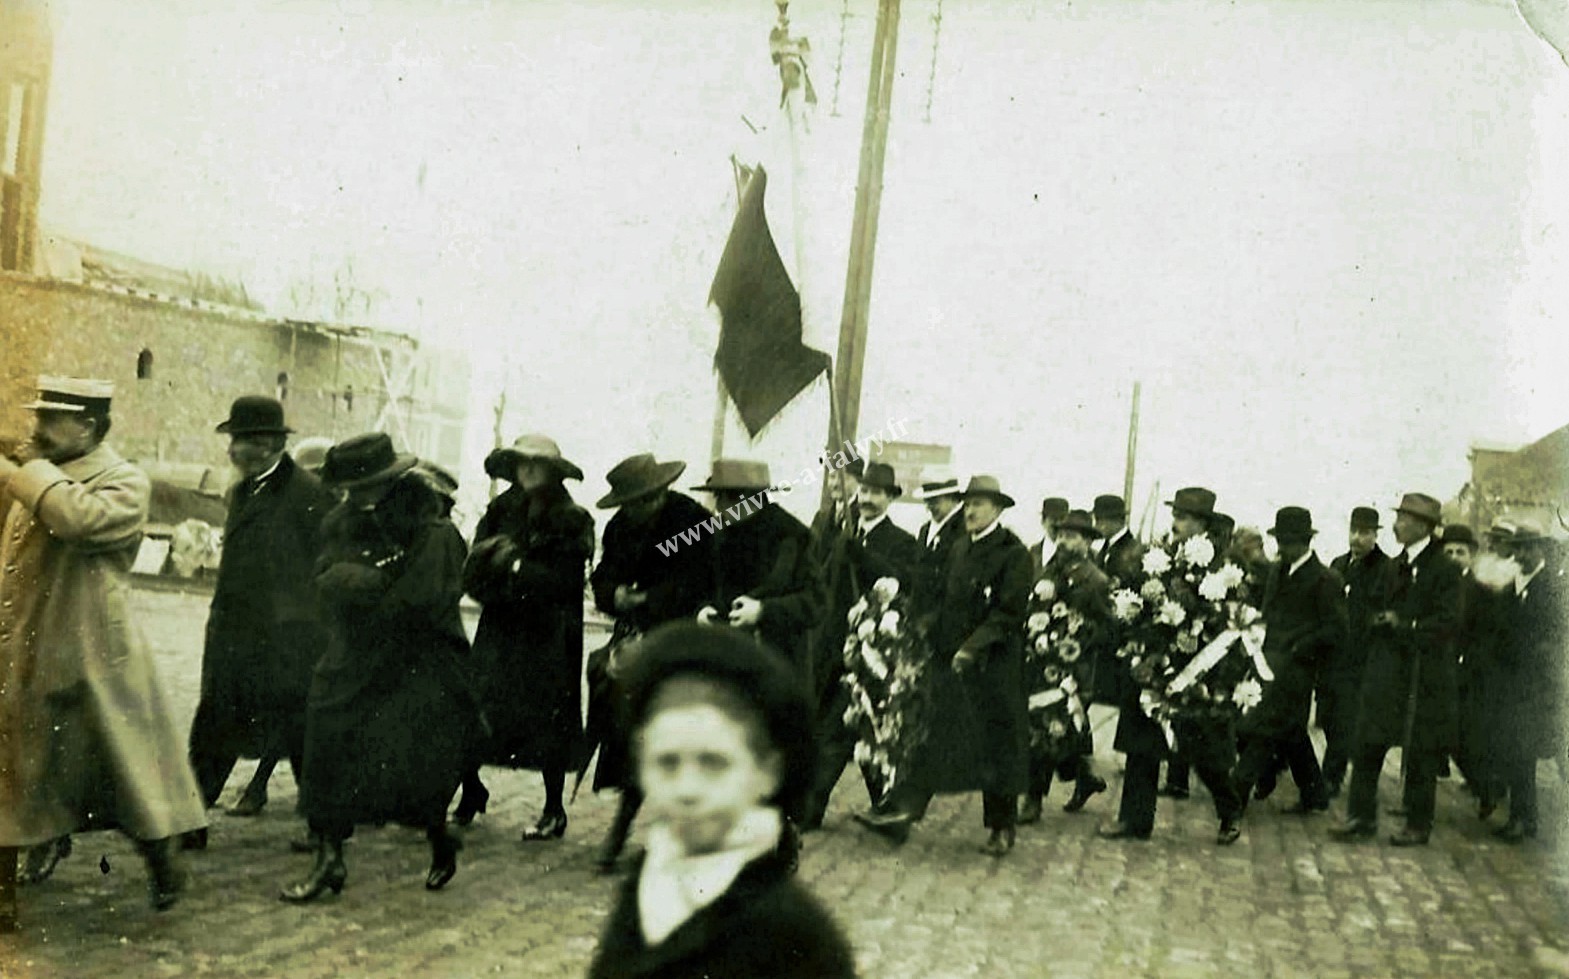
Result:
x=1133 y=447
x=845 y=405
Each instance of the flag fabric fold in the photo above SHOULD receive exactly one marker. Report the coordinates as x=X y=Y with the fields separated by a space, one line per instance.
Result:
x=761 y=357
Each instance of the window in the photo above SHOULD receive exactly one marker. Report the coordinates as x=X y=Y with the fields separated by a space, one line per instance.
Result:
x=283 y=385
x=144 y=364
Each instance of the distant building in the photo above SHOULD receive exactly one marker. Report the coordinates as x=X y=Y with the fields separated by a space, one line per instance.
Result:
x=1531 y=481
x=26 y=49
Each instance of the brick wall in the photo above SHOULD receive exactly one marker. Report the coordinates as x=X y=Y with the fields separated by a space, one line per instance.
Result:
x=203 y=358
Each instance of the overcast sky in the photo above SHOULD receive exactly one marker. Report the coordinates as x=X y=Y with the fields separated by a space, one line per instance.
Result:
x=1331 y=238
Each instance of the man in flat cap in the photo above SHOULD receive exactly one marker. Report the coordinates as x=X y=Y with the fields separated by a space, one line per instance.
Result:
x=86 y=739
x=264 y=629
x=1361 y=569
x=1408 y=693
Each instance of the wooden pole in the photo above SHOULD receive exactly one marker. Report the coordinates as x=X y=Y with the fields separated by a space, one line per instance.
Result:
x=845 y=418
x=1133 y=446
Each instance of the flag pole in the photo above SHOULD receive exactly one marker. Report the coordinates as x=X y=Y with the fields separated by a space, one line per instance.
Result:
x=863 y=232
x=1133 y=446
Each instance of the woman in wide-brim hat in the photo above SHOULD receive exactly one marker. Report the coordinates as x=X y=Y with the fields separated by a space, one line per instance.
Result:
x=391 y=715
x=527 y=570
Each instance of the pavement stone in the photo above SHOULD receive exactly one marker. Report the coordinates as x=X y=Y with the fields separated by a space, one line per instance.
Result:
x=1285 y=901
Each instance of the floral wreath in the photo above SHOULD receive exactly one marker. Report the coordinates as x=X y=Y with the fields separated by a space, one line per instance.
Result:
x=1055 y=641
x=1192 y=639
x=885 y=660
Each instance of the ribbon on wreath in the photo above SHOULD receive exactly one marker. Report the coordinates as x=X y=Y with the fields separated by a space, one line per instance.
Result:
x=1068 y=690
x=1252 y=643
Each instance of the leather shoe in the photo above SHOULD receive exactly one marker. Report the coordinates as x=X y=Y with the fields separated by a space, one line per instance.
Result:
x=1030 y=812
x=894 y=827
x=1000 y=843
x=1265 y=787
x=1229 y=833
x=249 y=804
x=551 y=826
x=1306 y=808
x=1119 y=831
x=1173 y=792
x=1409 y=837
x=1353 y=829
x=196 y=839
x=1515 y=831
x=1082 y=792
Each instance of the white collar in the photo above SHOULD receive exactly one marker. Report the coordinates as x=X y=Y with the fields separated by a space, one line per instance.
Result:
x=867 y=528
x=1048 y=549
x=1119 y=535
x=990 y=527
x=938 y=525
x=673 y=886
x=270 y=470
x=1299 y=562
x=1523 y=581
x=1413 y=551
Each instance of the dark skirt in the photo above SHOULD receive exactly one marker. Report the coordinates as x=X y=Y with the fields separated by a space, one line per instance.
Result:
x=530 y=677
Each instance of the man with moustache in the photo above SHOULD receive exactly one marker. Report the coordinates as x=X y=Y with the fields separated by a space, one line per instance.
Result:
x=264 y=630
x=976 y=631
x=86 y=739
x=1208 y=748
x=1409 y=690
x=1339 y=687
x=878 y=548
x=640 y=586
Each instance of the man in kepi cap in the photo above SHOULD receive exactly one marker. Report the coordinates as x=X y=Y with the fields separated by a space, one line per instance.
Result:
x=264 y=630
x=86 y=740
x=1408 y=694
x=1339 y=689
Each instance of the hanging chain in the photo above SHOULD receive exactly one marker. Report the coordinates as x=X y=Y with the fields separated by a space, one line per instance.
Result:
x=931 y=78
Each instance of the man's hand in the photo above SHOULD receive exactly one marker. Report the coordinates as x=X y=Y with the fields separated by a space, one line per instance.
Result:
x=1386 y=618
x=963 y=661
x=708 y=615
x=745 y=611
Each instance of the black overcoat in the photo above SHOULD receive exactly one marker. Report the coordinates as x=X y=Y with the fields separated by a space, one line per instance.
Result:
x=932 y=571
x=1486 y=616
x=392 y=713
x=531 y=554
x=1123 y=560
x=767 y=556
x=1426 y=603
x=1529 y=689
x=764 y=926
x=264 y=630
x=853 y=566
x=1305 y=622
x=980 y=739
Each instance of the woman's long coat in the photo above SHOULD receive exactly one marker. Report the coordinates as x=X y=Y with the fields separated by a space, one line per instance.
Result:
x=392 y=714
x=980 y=735
x=87 y=740
x=531 y=553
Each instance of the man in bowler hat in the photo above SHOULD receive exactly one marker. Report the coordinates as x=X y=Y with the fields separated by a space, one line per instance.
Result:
x=1361 y=570
x=1118 y=553
x=1409 y=691
x=264 y=630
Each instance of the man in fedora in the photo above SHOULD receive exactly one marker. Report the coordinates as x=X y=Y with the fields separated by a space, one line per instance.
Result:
x=655 y=563
x=1207 y=746
x=1339 y=691
x=878 y=548
x=1119 y=553
x=1053 y=509
x=976 y=630
x=1305 y=619
x=1084 y=588
x=761 y=576
x=264 y=628
x=1408 y=692
x=86 y=739
x=1530 y=696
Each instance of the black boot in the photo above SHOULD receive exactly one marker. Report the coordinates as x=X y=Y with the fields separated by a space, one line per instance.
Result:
x=472 y=802
x=165 y=877
x=40 y=861
x=444 y=849
x=329 y=873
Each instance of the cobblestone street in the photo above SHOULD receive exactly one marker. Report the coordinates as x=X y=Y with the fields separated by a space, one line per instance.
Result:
x=1284 y=902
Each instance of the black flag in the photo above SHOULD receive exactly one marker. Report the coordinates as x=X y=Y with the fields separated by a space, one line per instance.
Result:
x=761 y=357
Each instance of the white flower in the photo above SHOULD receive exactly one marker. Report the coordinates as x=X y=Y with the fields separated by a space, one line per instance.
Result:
x=889 y=626
x=886 y=589
x=857 y=610
x=1171 y=613
x=1052 y=674
x=1043 y=643
x=1153 y=591
x=867 y=629
x=1213 y=587
x=1245 y=616
x=863 y=753
x=1039 y=622
x=1198 y=551
x=850 y=715
x=1247 y=694
x=1059 y=610
x=1156 y=562
x=1187 y=643
x=1056 y=728
x=1126 y=604
x=1075 y=623
x=1232 y=575
x=1045 y=589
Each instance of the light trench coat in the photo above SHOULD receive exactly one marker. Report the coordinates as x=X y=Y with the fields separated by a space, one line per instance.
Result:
x=86 y=737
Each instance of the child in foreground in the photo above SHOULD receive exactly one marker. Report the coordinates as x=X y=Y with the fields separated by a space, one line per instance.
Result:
x=723 y=741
